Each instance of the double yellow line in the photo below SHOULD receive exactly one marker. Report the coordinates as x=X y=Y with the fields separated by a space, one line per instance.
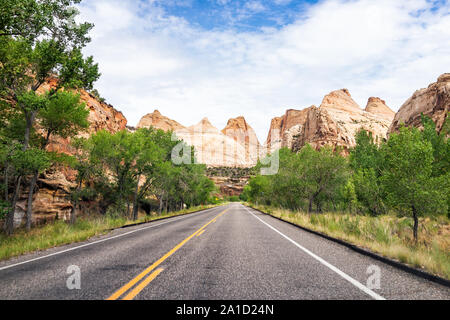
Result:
x=134 y=292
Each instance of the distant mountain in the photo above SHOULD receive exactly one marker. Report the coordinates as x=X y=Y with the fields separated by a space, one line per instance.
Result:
x=235 y=146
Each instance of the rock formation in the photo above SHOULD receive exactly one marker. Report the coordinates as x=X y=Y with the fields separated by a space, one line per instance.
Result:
x=334 y=123
x=378 y=107
x=241 y=132
x=51 y=197
x=235 y=146
x=283 y=130
x=158 y=121
x=433 y=101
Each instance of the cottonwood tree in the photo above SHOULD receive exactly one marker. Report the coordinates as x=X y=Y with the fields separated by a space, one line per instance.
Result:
x=63 y=116
x=323 y=172
x=408 y=176
x=367 y=161
x=40 y=40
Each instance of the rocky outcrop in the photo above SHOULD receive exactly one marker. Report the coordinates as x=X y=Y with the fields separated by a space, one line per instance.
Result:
x=433 y=101
x=283 y=130
x=51 y=197
x=230 y=186
x=378 y=107
x=158 y=121
x=241 y=132
x=335 y=123
x=233 y=146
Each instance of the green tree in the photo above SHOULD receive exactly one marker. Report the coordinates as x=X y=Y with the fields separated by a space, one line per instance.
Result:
x=366 y=161
x=40 y=40
x=323 y=173
x=63 y=116
x=408 y=176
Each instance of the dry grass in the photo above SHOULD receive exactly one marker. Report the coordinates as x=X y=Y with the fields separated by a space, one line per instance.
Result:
x=60 y=233
x=387 y=235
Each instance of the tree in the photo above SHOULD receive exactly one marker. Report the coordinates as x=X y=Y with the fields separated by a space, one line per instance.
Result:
x=366 y=160
x=31 y=20
x=39 y=40
x=408 y=176
x=63 y=116
x=323 y=173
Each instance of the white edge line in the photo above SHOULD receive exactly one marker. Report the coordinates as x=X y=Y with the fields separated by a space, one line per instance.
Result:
x=356 y=283
x=102 y=240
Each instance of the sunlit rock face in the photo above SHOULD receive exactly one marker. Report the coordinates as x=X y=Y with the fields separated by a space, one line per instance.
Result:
x=242 y=133
x=235 y=146
x=158 y=121
x=335 y=123
x=283 y=130
x=378 y=107
x=433 y=101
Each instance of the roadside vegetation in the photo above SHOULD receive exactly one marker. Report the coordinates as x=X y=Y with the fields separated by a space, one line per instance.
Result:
x=388 y=235
x=60 y=233
x=392 y=196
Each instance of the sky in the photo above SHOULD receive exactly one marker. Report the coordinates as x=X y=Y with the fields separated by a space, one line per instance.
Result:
x=221 y=59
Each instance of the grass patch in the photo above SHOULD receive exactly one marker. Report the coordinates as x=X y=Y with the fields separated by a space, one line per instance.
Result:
x=61 y=233
x=387 y=235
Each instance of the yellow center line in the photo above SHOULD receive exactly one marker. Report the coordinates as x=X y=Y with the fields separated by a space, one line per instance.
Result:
x=130 y=284
x=133 y=293
x=198 y=235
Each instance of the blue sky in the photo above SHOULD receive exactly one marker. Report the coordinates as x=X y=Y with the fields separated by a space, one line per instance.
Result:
x=237 y=14
x=221 y=58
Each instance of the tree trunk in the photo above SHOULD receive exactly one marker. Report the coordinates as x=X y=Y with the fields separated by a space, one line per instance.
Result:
x=311 y=200
x=6 y=182
x=135 y=200
x=30 y=200
x=416 y=224
x=9 y=225
x=160 y=203
x=73 y=213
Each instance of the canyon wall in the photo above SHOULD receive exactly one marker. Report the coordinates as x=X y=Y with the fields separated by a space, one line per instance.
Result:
x=334 y=123
x=433 y=101
x=51 y=197
x=235 y=146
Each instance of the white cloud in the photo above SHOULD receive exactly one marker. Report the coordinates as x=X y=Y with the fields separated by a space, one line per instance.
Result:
x=255 y=6
x=151 y=60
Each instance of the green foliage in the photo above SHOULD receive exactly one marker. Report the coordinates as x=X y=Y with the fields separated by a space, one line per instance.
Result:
x=408 y=176
x=64 y=115
x=31 y=160
x=128 y=168
x=39 y=41
x=309 y=177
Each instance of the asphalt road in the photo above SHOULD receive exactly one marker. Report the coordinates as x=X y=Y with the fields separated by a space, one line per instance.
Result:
x=228 y=252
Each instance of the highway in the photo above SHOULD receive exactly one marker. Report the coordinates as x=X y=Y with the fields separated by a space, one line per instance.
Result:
x=227 y=252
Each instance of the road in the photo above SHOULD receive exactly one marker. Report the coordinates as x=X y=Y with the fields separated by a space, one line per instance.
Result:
x=227 y=252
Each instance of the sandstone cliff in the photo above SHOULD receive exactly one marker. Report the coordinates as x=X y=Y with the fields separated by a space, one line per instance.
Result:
x=51 y=197
x=158 y=121
x=235 y=146
x=433 y=101
x=241 y=132
x=283 y=130
x=334 y=123
x=378 y=107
